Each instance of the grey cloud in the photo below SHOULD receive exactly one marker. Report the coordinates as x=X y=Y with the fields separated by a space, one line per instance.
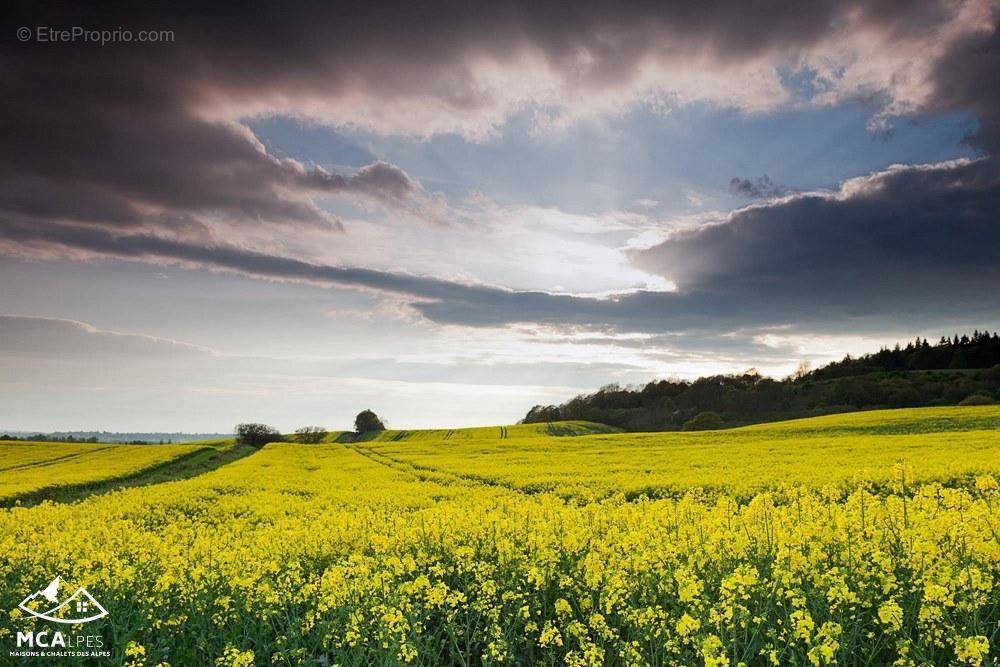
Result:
x=906 y=241
x=384 y=183
x=910 y=243
x=103 y=243
x=761 y=187
x=112 y=136
x=966 y=78
x=384 y=180
x=138 y=135
x=170 y=167
x=442 y=301
x=123 y=166
x=122 y=151
x=48 y=337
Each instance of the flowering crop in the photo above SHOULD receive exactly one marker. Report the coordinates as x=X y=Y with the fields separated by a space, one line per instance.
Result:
x=842 y=452
x=346 y=554
x=26 y=467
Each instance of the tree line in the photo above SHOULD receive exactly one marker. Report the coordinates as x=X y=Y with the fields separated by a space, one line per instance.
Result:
x=43 y=437
x=958 y=370
x=257 y=435
x=980 y=350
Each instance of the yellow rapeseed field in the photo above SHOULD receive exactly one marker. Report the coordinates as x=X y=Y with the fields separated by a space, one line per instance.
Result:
x=842 y=452
x=27 y=467
x=770 y=545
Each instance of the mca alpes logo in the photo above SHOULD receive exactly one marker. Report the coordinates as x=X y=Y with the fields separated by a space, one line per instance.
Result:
x=58 y=602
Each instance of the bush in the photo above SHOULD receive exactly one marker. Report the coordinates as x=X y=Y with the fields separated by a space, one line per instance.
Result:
x=977 y=399
x=705 y=421
x=367 y=421
x=310 y=435
x=256 y=435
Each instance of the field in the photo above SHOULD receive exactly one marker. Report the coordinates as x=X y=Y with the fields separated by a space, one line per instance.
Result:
x=868 y=538
x=31 y=467
x=839 y=452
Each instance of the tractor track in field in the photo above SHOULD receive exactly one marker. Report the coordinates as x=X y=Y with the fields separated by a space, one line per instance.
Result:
x=429 y=474
x=646 y=493
x=59 y=459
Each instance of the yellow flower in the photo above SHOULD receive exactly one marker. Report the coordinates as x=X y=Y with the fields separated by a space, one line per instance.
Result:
x=891 y=615
x=550 y=637
x=712 y=652
x=972 y=650
x=234 y=657
x=687 y=625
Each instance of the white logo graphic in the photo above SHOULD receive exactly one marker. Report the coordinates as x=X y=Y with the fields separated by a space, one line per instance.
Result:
x=49 y=605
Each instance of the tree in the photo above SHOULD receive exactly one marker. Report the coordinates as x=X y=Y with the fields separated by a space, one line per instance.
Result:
x=310 y=435
x=256 y=435
x=542 y=413
x=704 y=421
x=368 y=421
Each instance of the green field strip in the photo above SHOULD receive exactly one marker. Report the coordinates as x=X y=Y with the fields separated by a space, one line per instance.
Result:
x=571 y=428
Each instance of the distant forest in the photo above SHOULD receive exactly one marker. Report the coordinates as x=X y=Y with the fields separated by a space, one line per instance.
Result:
x=962 y=370
x=112 y=437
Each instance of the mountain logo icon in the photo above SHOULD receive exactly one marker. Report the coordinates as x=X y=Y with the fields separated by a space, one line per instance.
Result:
x=58 y=604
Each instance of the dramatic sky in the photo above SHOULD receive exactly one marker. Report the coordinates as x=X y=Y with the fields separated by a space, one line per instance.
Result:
x=451 y=214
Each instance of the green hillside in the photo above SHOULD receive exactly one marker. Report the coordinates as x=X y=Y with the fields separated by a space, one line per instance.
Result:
x=557 y=429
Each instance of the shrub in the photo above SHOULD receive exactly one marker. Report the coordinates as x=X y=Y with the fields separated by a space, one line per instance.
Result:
x=310 y=435
x=256 y=435
x=704 y=421
x=977 y=399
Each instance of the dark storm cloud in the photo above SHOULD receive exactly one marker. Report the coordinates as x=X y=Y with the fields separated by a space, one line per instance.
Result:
x=129 y=150
x=111 y=136
x=130 y=134
x=912 y=243
x=966 y=78
x=908 y=240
